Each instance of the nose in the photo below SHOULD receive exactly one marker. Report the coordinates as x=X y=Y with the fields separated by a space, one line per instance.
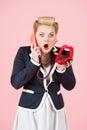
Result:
x=46 y=39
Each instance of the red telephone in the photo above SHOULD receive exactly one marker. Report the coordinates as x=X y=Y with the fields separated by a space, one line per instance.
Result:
x=33 y=39
x=65 y=54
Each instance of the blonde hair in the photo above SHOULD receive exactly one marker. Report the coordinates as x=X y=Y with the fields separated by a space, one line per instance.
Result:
x=45 y=20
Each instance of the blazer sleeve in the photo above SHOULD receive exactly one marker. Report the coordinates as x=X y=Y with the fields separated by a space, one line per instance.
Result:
x=67 y=79
x=21 y=73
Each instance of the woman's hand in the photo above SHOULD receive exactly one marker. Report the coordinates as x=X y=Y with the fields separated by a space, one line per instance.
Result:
x=35 y=49
x=62 y=67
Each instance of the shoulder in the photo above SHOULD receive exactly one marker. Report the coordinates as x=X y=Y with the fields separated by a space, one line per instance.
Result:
x=24 y=49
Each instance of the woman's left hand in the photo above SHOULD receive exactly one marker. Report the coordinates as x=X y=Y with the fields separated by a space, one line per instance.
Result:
x=62 y=67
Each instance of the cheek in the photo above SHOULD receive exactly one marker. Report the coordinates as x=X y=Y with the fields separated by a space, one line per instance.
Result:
x=39 y=43
x=53 y=41
x=53 y=44
x=39 y=40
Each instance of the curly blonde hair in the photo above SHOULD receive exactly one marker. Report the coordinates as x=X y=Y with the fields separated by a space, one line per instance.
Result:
x=45 y=20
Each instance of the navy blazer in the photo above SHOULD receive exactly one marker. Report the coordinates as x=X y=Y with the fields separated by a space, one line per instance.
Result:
x=24 y=74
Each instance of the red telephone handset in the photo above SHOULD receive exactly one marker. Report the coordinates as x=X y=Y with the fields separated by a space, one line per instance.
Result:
x=34 y=43
x=65 y=54
x=33 y=40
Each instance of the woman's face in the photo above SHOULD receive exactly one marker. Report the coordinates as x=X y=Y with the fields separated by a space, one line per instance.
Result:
x=46 y=38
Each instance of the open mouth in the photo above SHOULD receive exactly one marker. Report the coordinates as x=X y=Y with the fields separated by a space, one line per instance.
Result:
x=46 y=46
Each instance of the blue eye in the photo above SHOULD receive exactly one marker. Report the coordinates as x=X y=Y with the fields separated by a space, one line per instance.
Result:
x=51 y=35
x=41 y=34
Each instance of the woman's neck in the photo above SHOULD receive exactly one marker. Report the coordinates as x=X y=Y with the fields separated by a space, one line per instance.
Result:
x=46 y=59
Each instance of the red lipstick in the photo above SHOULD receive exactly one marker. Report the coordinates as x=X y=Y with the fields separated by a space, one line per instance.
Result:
x=45 y=46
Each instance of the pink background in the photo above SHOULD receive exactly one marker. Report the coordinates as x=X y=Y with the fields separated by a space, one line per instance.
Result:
x=16 y=19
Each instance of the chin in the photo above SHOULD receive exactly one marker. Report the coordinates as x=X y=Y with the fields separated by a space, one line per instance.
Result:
x=45 y=51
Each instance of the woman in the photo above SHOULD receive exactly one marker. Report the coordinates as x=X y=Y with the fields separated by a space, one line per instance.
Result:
x=41 y=105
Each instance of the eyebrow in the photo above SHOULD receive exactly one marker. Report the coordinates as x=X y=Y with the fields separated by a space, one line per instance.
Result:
x=51 y=32
x=43 y=32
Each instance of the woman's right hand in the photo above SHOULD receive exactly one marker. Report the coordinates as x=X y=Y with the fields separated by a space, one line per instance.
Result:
x=35 y=49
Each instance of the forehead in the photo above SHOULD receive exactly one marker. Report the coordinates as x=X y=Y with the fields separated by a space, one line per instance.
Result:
x=46 y=28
